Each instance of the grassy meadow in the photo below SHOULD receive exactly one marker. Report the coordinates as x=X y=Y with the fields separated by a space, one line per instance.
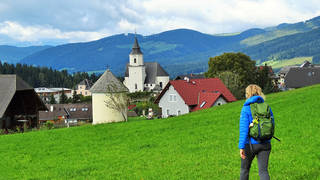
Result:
x=199 y=145
x=287 y=62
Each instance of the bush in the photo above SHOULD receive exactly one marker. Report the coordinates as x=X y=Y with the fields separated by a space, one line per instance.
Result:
x=49 y=125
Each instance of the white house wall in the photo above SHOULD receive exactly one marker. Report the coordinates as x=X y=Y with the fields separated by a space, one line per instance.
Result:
x=220 y=101
x=101 y=113
x=172 y=106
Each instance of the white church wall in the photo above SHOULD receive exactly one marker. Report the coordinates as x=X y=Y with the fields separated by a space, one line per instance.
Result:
x=162 y=79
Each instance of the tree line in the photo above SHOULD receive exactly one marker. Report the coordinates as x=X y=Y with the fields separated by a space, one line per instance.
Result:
x=46 y=77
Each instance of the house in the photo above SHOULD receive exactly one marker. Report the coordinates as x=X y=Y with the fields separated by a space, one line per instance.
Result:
x=83 y=87
x=19 y=103
x=45 y=93
x=102 y=92
x=190 y=76
x=66 y=112
x=184 y=96
x=299 y=76
x=141 y=76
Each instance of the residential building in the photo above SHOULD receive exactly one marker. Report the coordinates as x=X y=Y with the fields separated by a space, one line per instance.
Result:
x=102 y=92
x=184 y=96
x=45 y=93
x=299 y=76
x=19 y=103
x=83 y=87
x=64 y=113
x=143 y=76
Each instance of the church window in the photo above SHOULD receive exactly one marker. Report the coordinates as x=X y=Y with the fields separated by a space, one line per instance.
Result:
x=135 y=60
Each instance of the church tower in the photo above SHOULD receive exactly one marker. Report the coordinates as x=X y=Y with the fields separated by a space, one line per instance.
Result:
x=136 y=69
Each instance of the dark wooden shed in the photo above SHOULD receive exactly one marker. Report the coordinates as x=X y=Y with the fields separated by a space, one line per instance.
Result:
x=19 y=103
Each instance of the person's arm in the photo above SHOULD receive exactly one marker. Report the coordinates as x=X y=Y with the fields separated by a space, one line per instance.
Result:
x=244 y=128
x=272 y=117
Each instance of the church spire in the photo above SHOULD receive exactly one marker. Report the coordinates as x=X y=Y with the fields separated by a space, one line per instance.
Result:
x=136 y=47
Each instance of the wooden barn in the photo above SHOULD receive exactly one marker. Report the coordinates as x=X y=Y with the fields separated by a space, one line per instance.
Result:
x=19 y=103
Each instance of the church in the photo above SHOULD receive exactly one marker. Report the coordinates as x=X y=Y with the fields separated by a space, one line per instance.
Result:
x=141 y=76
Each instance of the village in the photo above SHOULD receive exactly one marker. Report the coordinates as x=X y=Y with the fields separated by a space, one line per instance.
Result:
x=146 y=91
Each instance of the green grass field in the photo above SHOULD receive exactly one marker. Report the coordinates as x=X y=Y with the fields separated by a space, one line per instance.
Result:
x=200 y=145
x=287 y=62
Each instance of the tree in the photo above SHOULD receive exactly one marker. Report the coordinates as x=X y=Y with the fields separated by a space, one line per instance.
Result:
x=63 y=99
x=236 y=67
x=118 y=101
x=231 y=80
x=75 y=97
x=52 y=100
x=265 y=81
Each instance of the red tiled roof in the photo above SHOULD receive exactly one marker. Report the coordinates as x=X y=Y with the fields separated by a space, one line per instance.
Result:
x=189 y=91
x=207 y=99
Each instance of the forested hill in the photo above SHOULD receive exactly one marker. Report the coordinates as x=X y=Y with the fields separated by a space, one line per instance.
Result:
x=297 y=45
x=45 y=77
x=179 y=51
x=167 y=48
x=12 y=54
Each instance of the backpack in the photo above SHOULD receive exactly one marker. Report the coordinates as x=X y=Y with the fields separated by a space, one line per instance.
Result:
x=263 y=123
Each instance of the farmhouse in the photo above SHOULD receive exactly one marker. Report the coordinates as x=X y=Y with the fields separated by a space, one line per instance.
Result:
x=105 y=87
x=141 y=76
x=19 y=103
x=83 y=87
x=299 y=76
x=62 y=113
x=45 y=93
x=184 y=96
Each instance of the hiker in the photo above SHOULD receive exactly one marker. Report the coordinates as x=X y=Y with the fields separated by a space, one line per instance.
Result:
x=250 y=147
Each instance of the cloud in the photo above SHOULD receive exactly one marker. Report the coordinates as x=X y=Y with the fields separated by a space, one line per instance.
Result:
x=82 y=20
x=37 y=33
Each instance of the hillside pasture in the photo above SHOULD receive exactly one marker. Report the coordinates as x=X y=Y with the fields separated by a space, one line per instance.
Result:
x=199 y=145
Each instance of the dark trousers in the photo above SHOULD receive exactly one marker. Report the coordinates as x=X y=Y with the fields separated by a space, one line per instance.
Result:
x=262 y=151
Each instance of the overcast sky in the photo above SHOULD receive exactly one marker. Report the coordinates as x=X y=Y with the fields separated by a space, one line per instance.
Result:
x=60 y=21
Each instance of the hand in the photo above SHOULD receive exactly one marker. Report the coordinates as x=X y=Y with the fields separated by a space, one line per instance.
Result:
x=242 y=154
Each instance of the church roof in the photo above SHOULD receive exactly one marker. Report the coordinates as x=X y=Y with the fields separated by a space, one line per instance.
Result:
x=108 y=83
x=136 y=47
x=153 y=69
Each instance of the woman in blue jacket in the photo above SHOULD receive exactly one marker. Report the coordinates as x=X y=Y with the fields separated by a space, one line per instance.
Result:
x=260 y=149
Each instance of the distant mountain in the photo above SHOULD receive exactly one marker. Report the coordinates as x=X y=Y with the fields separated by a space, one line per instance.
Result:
x=281 y=30
x=171 y=47
x=12 y=54
x=182 y=51
x=287 y=47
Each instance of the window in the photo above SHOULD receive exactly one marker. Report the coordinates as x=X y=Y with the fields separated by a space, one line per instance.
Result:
x=160 y=84
x=172 y=98
x=134 y=60
x=179 y=112
x=135 y=86
x=168 y=112
x=202 y=104
x=73 y=109
x=84 y=109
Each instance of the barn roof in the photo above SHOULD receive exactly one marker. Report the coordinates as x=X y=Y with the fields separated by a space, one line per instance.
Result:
x=108 y=83
x=10 y=84
x=189 y=91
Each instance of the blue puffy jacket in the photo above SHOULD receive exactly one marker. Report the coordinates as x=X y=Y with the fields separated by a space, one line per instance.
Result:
x=246 y=119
